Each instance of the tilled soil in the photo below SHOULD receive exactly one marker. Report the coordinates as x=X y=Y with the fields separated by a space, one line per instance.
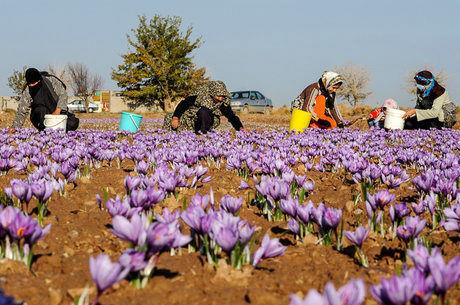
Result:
x=80 y=229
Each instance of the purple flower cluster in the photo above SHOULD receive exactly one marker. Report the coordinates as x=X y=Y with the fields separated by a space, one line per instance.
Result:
x=215 y=230
x=18 y=234
x=431 y=275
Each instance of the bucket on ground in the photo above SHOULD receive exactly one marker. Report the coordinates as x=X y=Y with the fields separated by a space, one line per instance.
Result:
x=394 y=119
x=55 y=121
x=300 y=120
x=130 y=121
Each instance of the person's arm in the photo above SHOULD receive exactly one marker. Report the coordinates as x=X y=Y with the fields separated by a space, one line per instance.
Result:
x=231 y=116
x=183 y=106
x=23 y=109
x=432 y=113
x=337 y=116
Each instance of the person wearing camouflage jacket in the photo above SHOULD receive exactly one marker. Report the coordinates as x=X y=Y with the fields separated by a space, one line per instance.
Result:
x=44 y=94
x=201 y=111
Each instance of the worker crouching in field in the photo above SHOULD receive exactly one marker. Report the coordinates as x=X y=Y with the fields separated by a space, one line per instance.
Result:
x=377 y=116
x=319 y=99
x=201 y=111
x=434 y=108
x=44 y=94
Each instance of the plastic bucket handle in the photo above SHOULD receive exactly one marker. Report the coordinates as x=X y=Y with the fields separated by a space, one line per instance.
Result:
x=134 y=122
x=56 y=124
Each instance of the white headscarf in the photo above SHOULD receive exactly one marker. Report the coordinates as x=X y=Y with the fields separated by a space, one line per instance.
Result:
x=330 y=78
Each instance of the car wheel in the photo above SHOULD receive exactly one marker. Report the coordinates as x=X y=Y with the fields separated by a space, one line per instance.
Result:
x=245 y=110
x=268 y=110
x=90 y=110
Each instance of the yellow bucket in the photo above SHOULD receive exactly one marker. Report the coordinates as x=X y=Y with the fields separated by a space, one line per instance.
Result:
x=300 y=120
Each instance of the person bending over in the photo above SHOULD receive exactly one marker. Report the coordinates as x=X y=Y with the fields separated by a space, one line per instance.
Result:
x=43 y=94
x=319 y=99
x=201 y=111
x=434 y=108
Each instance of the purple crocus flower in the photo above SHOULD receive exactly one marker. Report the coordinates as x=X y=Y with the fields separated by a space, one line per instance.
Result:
x=289 y=206
x=380 y=199
x=245 y=232
x=331 y=218
x=352 y=293
x=312 y=298
x=42 y=190
x=398 y=212
x=200 y=200
x=231 y=204
x=304 y=212
x=423 y=286
x=244 y=185
x=293 y=226
x=131 y=183
x=269 y=248
x=452 y=222
x=162 y=237
x=444 y=275
x=192 y=217
x=133 y=231
x=411 y=229
x=225 y=237
x=397 y=290
x=142 y=167
x=7 y=215
x=154 y=196
x=133 y=260
x=105 y=273
x=22 y=226
x=420 y=255
x=358 y=237
x=168 y=216
x=21 y=190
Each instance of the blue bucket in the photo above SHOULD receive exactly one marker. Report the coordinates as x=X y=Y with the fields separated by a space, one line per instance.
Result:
x=130 y=121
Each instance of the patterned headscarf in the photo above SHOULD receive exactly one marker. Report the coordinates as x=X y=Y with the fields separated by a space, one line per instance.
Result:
x=330 y=78
x=206 y=91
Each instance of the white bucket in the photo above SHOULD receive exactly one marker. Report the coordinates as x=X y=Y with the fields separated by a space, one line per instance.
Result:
x=394 y=119
x=55 y=121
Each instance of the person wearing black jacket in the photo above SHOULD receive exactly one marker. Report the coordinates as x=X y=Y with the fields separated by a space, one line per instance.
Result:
x=201 y=111
x=44 y=94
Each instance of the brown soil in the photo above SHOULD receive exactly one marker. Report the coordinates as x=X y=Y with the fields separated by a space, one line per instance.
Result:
x=80 y=230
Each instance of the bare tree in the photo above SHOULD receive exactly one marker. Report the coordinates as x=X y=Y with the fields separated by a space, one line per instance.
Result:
x=440 y=76
x=60 y=72
x=17 y=82
x=356 y=80
x=83 y=82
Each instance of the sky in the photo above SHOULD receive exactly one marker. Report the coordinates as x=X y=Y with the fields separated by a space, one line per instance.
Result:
x=277 y=47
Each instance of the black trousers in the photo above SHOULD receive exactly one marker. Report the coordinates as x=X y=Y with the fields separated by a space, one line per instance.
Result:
x=204 y=120
x=412 y=124
x=37 y=116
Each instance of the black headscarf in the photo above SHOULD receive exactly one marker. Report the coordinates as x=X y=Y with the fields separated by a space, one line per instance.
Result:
x=40 y=93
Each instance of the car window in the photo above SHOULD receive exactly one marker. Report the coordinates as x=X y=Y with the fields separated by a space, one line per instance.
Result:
x=240 y=94
x=259 y=96
x=253 y=95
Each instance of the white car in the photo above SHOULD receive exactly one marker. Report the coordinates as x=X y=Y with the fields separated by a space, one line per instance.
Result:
x=79 y=106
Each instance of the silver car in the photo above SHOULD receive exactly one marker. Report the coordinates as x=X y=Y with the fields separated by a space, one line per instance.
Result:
x=79 y=106
x=250 y=101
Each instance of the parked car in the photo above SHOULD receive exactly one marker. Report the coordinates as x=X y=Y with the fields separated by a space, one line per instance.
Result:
x=79 y=106
x=250 y=101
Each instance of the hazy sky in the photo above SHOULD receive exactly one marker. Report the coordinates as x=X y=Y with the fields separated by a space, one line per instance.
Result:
x=276 y=47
